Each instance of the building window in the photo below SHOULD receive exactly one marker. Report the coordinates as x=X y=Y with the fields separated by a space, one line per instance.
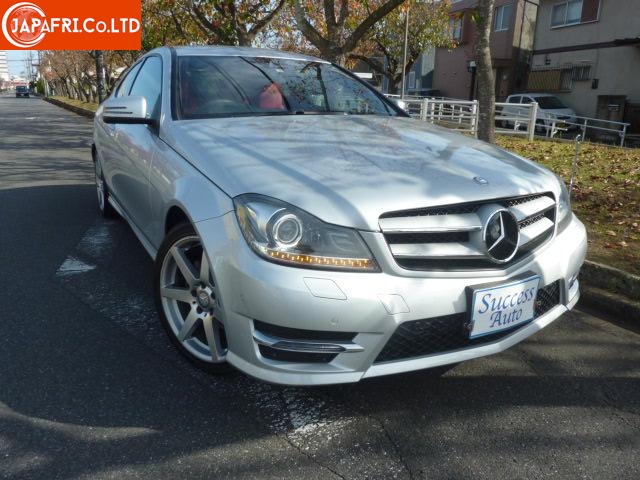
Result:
x=574 y=12
x=503 y=18
x=412 y=80
x=566 y=80
x=455 y=27
x=581 y=73
x=550 y=80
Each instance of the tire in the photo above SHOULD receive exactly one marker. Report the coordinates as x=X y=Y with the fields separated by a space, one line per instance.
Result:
x=106 y=209
x=188 y=301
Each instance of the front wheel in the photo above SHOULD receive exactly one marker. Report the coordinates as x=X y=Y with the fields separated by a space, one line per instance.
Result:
x=188 y=300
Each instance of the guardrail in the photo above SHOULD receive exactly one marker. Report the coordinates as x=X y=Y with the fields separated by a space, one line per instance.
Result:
x=524 y=119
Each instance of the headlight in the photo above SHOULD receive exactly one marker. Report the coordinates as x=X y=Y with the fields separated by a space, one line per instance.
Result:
x=564 y=206
x=285 y=234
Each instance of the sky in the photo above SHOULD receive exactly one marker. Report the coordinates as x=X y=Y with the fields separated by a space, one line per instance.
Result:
x=16 y=61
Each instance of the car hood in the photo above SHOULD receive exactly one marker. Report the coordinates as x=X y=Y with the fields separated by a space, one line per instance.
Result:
x=348 y=169
x=559 y=112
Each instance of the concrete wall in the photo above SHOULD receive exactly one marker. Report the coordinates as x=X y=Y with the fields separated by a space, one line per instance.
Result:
x=617 y=19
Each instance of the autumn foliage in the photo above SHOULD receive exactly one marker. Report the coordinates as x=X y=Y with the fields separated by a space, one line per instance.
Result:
x=343 y=31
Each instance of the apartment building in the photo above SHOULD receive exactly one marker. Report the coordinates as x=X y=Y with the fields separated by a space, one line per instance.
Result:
x=588 y=52
x=4 y=66
x=512 y=38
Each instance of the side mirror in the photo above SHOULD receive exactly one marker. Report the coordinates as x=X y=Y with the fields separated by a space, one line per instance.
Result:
x=126 y=110
x=401 y=104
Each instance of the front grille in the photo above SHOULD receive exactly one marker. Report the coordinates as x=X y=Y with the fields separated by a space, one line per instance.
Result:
x=547 y=298
x=435 y=237
x=451 y=237
x=429 y=336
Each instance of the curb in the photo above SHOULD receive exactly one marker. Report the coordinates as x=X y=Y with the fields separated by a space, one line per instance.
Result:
x=610 y=290
x=80 y=111
x=611 y=279
x=610 y=303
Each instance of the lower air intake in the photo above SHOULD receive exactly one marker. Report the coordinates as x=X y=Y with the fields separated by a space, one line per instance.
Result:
x=443 y=334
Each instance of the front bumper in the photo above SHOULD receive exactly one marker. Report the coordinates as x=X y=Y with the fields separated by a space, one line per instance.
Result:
x=370 y=305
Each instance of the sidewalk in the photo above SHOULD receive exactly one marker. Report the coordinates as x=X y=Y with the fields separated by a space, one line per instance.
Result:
x=603 y=288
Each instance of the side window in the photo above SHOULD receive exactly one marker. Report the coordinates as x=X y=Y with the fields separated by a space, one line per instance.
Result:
x=527 y=100
x=148 y=84
x=125 y=85
x=515 y=99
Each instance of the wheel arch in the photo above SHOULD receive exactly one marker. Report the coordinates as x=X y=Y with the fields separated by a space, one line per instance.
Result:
x=175 y=216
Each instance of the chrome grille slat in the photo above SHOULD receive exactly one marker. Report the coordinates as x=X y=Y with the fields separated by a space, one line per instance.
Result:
x=435 y=250
x=424 y=238
x=532 y=208
x=533 y=231
x=465 y=222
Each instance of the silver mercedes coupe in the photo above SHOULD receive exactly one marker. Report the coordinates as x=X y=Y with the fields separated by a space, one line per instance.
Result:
x=306 y=231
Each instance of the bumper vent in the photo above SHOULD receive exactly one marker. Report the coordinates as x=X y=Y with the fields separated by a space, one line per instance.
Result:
x=453 y=237
x=443 y=334
x=301 y=346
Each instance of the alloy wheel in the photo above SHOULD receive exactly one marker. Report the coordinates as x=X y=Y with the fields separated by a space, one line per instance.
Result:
x=190 y=301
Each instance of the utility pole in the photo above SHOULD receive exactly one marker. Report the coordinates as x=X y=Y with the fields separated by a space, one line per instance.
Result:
x=406 y=41
x=41 y=74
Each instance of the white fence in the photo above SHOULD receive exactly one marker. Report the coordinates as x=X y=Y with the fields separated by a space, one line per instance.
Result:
x=511 y=119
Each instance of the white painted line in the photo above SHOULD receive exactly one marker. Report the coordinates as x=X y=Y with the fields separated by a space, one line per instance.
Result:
x=72 y=266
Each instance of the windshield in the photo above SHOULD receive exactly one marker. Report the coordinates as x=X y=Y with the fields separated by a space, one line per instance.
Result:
x=549 y=103
x=212 y=86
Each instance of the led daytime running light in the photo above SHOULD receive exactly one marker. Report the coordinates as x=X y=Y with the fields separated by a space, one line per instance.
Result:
x=303 y=259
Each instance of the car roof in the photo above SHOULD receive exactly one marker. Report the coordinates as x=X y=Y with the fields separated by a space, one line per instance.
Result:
x=229 y=51
x=534 y=94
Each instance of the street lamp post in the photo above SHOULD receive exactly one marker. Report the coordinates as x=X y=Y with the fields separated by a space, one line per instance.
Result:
x=406 y=41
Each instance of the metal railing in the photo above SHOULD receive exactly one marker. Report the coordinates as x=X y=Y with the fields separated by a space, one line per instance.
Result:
x=460 y=115
x=535 y=121
x=524 y=119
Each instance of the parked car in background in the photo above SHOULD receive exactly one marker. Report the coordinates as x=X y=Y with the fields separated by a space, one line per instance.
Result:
x=551 y=111
x=22 y=91
x=307 y=231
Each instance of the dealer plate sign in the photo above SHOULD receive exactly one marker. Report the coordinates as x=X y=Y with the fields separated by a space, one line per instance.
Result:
x=501 y=307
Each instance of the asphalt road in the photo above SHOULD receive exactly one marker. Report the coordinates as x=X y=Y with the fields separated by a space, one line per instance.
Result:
x=91 y=388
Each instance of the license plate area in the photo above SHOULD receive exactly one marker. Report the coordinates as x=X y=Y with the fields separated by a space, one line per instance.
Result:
x=502 y=306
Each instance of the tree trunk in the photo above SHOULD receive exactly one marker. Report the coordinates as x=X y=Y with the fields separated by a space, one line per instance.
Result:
x=99 y=56
x=484 y=72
